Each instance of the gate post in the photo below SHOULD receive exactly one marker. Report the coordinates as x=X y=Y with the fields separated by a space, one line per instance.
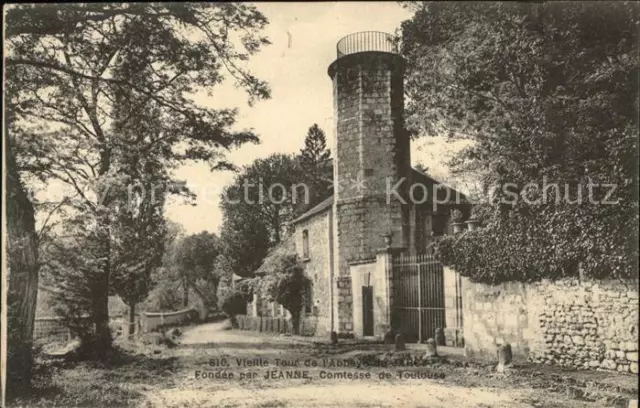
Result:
x=418 y=267
x=384 y=268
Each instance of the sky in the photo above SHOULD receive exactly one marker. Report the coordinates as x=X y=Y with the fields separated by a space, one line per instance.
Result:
x=303 y=37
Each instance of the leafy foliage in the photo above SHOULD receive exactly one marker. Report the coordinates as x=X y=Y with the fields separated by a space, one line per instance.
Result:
x=22 y=277
x=548 y=92
x=286 y=284
x=259 y=206
x=165 y=297
x=267 y=195
x=232 y=298
x=194 y=261
x=196 y=255
x=99 y=92
x=315 y=160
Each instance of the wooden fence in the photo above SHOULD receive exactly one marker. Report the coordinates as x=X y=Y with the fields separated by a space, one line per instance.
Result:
x=279 y=325
x=54 y=328
x=153 y=320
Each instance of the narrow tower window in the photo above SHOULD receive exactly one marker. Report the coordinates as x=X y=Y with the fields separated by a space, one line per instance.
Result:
x=305 y=244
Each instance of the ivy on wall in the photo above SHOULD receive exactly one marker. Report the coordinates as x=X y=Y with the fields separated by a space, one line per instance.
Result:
x=525 y=245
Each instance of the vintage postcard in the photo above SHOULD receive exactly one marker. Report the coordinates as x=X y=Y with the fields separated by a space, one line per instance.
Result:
x=320 y=204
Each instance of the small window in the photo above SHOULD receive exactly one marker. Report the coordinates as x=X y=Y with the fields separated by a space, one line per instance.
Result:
x=438 y=225
x=305 y=244
x=308 y=300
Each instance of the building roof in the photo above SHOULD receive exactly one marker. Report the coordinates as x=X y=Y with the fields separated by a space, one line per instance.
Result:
x=429 y=179
x=317 y=209
x=284 y=248
x=420 y=176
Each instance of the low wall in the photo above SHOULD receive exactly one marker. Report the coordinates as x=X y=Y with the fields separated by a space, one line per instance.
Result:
x=582 y=324
x=281 y=325
x=154 y=320
x=51 y=328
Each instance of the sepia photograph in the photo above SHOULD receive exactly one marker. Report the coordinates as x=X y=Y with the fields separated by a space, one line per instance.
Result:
x=420 y=204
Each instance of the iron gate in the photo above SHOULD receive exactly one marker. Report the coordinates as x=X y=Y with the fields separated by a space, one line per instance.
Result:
x=418 y=296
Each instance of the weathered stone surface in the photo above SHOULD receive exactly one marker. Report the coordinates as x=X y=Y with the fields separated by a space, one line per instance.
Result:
x=371 y=149
x=432 y=349
x=439 y=337
x=566 y=322
x=505 y=354
x=400 y=343
x=389 y=338
x=317 y=268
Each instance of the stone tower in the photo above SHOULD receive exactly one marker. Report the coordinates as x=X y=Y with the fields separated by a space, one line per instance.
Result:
x=371 y=153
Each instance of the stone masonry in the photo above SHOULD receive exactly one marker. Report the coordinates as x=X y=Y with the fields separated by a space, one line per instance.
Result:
x=345 y=302
x=372 y=149
x=573 y=323
x=588 y=324
x=317 y=267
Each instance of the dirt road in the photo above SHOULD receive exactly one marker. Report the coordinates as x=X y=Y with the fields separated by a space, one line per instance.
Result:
x=215 y=367
x=196 y=382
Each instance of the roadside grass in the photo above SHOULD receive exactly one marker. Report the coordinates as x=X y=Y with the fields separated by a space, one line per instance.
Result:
x=135 y=372
x=115 y=382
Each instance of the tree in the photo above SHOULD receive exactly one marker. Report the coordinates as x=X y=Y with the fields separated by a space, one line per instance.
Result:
x=137 y=227
x=72 y=265
x=547 y=91
x=64 y=70
x=245 y=239
x=286 y=284
x=138 y=244
x=22 y=276
x=195 y=263
x=315 y=160
x=258 y=208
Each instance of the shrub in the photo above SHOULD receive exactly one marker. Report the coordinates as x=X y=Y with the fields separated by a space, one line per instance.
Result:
x=286 y=284
x=232 y=301
x=515 y=246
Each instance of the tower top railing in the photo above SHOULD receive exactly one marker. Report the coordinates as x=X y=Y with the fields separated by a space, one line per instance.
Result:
x=367 y=41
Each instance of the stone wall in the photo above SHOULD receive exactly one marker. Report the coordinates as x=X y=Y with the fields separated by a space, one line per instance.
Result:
x=361 y=224
x=375 y=274
x=344 y=306
x=318 y=266
x=453 y=314
x=583 y=324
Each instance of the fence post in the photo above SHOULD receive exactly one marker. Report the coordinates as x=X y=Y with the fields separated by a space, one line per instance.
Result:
x=419 y=300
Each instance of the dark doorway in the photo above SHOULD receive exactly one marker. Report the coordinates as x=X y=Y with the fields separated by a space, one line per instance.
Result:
x=367 y=310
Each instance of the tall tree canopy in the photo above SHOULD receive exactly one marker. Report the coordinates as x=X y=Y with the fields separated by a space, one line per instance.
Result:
x=80 y=75
x=315 y=160
x=195 y=259
x=547 y=91
x=258 y=208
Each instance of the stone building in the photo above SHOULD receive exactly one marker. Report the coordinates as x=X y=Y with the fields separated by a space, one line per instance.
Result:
x=349 y=242
x=378 y=197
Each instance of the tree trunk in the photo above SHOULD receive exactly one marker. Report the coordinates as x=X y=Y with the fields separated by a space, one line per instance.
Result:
x=295 y=321
x=132 y=321
x=103 y=340
x=22 y=277
x=101 y=295
x=185 y=292
x=205 y=302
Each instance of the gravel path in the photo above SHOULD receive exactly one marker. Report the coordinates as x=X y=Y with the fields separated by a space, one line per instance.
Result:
x=202 y=344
